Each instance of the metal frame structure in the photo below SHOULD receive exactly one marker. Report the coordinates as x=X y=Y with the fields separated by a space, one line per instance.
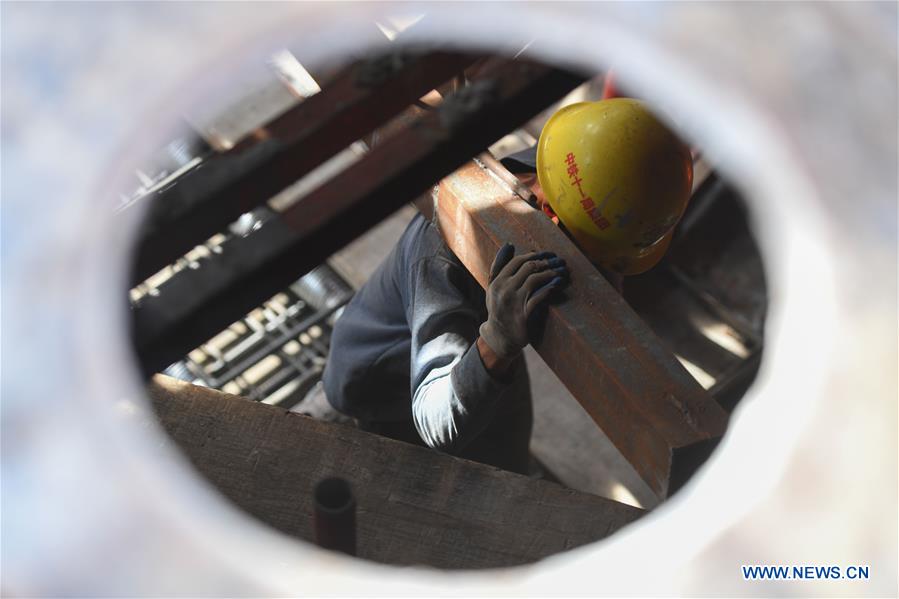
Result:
x=216 y=192
x=255 y=267
x=277 y=352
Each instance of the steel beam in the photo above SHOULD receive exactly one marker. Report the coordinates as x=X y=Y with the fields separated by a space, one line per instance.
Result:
x=201 y=302
x=207 y=198
x=613 y=364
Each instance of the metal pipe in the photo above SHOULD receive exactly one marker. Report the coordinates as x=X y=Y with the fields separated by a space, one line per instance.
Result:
x=335 y=515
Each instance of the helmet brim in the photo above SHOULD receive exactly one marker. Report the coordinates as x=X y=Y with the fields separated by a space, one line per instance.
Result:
x=641 y=262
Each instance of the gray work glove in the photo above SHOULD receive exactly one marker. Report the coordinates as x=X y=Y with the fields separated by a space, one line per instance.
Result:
x=518 y=285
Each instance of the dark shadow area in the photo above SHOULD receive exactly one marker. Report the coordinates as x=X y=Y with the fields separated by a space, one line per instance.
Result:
x=707 y=299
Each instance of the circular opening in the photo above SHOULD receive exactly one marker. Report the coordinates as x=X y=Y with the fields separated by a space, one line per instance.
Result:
x=241 y=554
x=334 y=495
x=265 y=306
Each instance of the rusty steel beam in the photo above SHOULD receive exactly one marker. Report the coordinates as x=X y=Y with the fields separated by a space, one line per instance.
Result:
x=207 y=198
x=613 y=364
x=403 y=166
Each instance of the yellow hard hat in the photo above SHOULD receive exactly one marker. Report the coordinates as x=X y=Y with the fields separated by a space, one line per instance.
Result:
x=617 y=178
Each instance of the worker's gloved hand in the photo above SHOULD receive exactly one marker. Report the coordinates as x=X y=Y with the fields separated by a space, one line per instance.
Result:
x=518 y=285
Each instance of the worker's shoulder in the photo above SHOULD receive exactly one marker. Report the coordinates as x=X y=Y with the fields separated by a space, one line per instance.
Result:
x=422 y=242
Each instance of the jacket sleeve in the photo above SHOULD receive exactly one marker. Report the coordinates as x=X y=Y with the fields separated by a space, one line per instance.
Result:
x=453 y=395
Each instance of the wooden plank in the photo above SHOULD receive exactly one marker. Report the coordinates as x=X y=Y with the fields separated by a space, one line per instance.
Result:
x=415 y=505
x=615 y=366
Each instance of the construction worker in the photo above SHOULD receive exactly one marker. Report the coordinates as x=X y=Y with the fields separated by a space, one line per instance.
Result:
x=423 y=354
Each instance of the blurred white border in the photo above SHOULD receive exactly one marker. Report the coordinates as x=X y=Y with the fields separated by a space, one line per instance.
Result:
x=97 y=502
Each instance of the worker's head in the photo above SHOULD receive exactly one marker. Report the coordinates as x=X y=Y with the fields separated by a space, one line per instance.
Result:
x=616 y=178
